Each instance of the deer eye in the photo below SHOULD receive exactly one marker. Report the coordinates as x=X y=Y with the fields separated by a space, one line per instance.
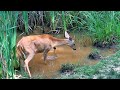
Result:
x=70 y=38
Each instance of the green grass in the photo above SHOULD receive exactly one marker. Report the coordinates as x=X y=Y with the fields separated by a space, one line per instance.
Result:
x=102 y=25
x=8 y=26
x=108 y=68
x=25 y=20
x=8 y=42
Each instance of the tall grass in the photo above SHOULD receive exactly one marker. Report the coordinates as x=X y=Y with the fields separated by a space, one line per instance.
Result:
x=8 y=26
x=25 y=19
x=28 y=20
x=103 y=24
x=52 y=19
x=64 y=21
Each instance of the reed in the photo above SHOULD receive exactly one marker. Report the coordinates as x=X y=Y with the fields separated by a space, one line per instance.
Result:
x=103 y=25
x=8 y=26
x=25 y=19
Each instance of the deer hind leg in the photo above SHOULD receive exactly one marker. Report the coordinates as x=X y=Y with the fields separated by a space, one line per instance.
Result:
x=28 y=59
x=45 y=54
x=21 y=61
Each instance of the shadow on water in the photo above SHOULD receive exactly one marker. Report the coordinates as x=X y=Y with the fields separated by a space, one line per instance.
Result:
x=65 y=55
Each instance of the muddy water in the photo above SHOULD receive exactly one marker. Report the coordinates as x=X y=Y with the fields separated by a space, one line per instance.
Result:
x=64 y=55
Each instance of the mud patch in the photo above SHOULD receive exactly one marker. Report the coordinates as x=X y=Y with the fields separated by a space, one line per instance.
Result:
x=67 y=69
x=104 y=45
x=94 y=56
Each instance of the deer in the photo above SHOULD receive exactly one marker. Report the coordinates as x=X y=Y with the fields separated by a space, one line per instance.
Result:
x=28 y=46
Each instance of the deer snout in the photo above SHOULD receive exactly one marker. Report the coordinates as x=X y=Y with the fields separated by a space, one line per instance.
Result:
x=74 y=48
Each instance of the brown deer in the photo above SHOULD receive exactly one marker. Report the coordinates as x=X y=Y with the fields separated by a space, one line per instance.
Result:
x=28 y=46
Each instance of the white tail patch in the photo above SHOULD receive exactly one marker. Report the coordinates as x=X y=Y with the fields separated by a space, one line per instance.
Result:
x=18 y=45
x=67 y=35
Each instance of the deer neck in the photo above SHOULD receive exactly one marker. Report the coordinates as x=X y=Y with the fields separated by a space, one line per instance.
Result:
x=59 y=42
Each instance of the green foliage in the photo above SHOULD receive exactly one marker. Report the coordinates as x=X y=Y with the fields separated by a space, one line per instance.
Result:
x=103 y=24
x=64 y=21
x=25 y=19
x=52 y=19
x=67 y=20
x=96 y=51
x=8 y=26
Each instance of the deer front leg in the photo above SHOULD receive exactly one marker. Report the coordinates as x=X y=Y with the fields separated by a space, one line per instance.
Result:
x=45 y=54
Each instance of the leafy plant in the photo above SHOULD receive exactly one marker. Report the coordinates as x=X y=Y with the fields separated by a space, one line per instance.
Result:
x=103 y=24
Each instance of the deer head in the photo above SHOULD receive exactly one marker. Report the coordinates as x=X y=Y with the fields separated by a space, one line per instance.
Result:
x=70 y=41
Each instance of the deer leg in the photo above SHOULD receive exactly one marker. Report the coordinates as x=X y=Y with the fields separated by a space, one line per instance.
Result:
x=45 y=54
x=22 y=64
x=30 y=56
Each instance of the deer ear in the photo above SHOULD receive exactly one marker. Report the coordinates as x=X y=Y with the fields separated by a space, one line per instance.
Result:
x=67 y=35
